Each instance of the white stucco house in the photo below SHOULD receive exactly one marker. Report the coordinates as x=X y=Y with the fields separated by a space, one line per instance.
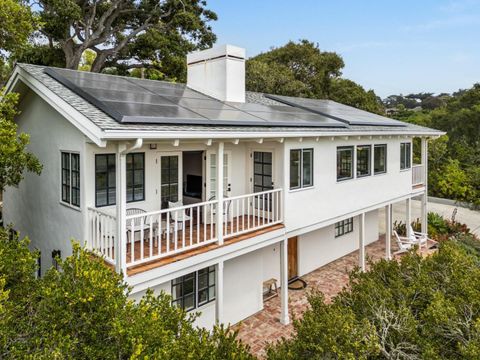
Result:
x=205 y=190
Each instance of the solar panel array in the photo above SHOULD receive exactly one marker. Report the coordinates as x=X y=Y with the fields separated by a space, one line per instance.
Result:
x=132 y=100
x=340 y=112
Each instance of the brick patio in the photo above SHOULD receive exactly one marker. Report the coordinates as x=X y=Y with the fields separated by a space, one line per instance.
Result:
x=264 y=327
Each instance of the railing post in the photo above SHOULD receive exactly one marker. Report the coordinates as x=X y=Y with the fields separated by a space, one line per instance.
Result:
x=121 y=207
x=219 y=220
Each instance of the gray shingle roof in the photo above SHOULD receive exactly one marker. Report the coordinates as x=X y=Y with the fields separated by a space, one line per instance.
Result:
x=107 y=123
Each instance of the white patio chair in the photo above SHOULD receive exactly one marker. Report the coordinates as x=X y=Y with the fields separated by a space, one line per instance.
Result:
x=178 y=216
x=404 y=243
x=421 y=238
x=137 y=222
x=226 y=208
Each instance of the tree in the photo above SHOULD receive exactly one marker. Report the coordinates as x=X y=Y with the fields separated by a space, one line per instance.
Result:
x=302 y=69
x=83 y=311
x=126 y=33
x=415 y=308
x=14 y=158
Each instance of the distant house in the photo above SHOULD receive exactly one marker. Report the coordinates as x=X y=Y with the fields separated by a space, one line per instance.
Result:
x=205 y=190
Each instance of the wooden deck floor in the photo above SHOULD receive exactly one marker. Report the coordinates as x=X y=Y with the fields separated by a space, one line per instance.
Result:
x=156 y=244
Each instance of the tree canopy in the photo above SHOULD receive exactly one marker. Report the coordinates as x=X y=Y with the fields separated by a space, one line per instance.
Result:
x=82 y=311
x=302 y=69
x=124 y=34
x=14 y=157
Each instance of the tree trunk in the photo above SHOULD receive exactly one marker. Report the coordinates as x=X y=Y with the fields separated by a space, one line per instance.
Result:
x=99 y=62
x=73 y=54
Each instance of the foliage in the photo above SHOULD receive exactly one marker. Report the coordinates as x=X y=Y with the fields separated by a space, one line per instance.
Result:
x=454 y=160
x=14 y=158
x=401 y=228
x=302 y=69
x=442 y=229
x=83 y=311
x=414 y=308
x=126 y=34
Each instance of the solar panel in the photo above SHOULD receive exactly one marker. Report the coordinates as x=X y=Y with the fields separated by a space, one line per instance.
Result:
x=337 y=111
x=133 y=100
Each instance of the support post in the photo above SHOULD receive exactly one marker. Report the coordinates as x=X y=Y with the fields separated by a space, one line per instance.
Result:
x=425 y=195
x=361 y=245
x=424 y=218
x=219 y=220
x=284 y=317
x=121 y=208
x=388 y=231
x=408 y=215
x=219 y=294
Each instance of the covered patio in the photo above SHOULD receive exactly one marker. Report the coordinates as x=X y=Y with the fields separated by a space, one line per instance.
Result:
x=264 y=327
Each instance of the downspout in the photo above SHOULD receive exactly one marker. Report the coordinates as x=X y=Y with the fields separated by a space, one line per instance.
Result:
x=138 y=144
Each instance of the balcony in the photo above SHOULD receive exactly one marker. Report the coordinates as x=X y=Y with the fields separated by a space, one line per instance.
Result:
x=418 y=175
x=152 y=238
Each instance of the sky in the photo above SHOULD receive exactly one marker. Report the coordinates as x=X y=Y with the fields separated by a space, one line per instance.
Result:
x=392 y=47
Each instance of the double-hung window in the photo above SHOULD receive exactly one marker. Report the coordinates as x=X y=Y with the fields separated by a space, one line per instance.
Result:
x=105 y=178
x=195 y=289
x=380 y=159
x=405 y=156
x=344 y=163
x=301 y=168
x=70 y=178
x=343 y=227
x=364 y=156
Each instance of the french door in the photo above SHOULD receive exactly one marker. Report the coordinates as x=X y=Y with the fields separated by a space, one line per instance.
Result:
x=262 y=179
x=211 y=179
x=170 y=175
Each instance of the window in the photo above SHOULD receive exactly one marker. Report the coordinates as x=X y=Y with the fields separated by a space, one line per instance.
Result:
x=343 y=227
x=195 y=289
x=135 y=177
x=169 y=180
x=301 y=168
x=405 y=155
x=105 y=178
x=71 y=178
x=380 y=159
x=363 y=160
x=344 y=163
x=105 y=181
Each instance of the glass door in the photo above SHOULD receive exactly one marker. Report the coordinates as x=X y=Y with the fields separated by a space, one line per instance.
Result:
x=169 y=175
x=262 y=178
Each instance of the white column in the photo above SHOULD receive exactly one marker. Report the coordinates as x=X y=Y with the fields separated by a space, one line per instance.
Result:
x=219 y=220
x=361 y=245
x=424 y=218
x=284 y=317
x=424 y=155
x=219 y=293
x=408 y=215
x=388 y=231
x=425 y=195
x=121 y=207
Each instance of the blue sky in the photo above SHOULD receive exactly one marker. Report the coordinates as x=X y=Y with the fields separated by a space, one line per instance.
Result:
x=389 y=46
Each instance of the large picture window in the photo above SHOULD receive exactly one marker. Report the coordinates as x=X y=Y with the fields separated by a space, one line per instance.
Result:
x=405 y=156
x=301 y=168
x=71 y=178
x=363 y=160
x=135 y=177
x=344 y=163
x=105 y=182
x=105 y=178
x=195 y=289
x=380 y=159
x=343 y=227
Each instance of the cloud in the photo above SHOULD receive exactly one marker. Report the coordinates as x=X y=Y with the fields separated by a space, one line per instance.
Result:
x=451 y=22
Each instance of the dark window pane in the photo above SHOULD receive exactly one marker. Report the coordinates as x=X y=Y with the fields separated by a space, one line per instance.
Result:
x=380 y=159
x=307 y=163
x=105 y=179
x=294 y=169
x=363 y=160
x=345 y=163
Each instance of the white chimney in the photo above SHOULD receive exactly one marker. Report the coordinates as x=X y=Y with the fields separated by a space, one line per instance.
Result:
x=218 y=72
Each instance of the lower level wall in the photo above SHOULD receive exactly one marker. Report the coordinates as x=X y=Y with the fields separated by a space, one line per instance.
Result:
x=320 y=247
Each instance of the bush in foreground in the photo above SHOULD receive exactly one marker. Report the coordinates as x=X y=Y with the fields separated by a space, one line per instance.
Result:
x=418 y=308
x=82 y=311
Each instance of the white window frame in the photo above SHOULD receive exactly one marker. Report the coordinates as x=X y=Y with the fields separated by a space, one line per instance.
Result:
x=312 y=165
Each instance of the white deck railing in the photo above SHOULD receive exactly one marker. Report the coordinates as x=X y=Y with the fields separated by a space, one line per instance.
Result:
x=251 y=212
x=158 y=234
x=102 y=231
x=418 y=175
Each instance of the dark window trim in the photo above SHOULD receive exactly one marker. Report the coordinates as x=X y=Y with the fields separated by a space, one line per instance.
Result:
x=133 y=170
x=369 y=160
x=386 y=157
x=343 y=227
x=196 y=290
x=300 y=183
x=107 y=181
x=69 y=200
x=352 y=149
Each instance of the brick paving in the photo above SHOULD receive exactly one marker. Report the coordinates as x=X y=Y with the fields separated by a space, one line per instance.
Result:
x=264 y=327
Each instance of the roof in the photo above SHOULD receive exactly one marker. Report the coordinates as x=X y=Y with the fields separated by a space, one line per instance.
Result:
x=109 y=127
